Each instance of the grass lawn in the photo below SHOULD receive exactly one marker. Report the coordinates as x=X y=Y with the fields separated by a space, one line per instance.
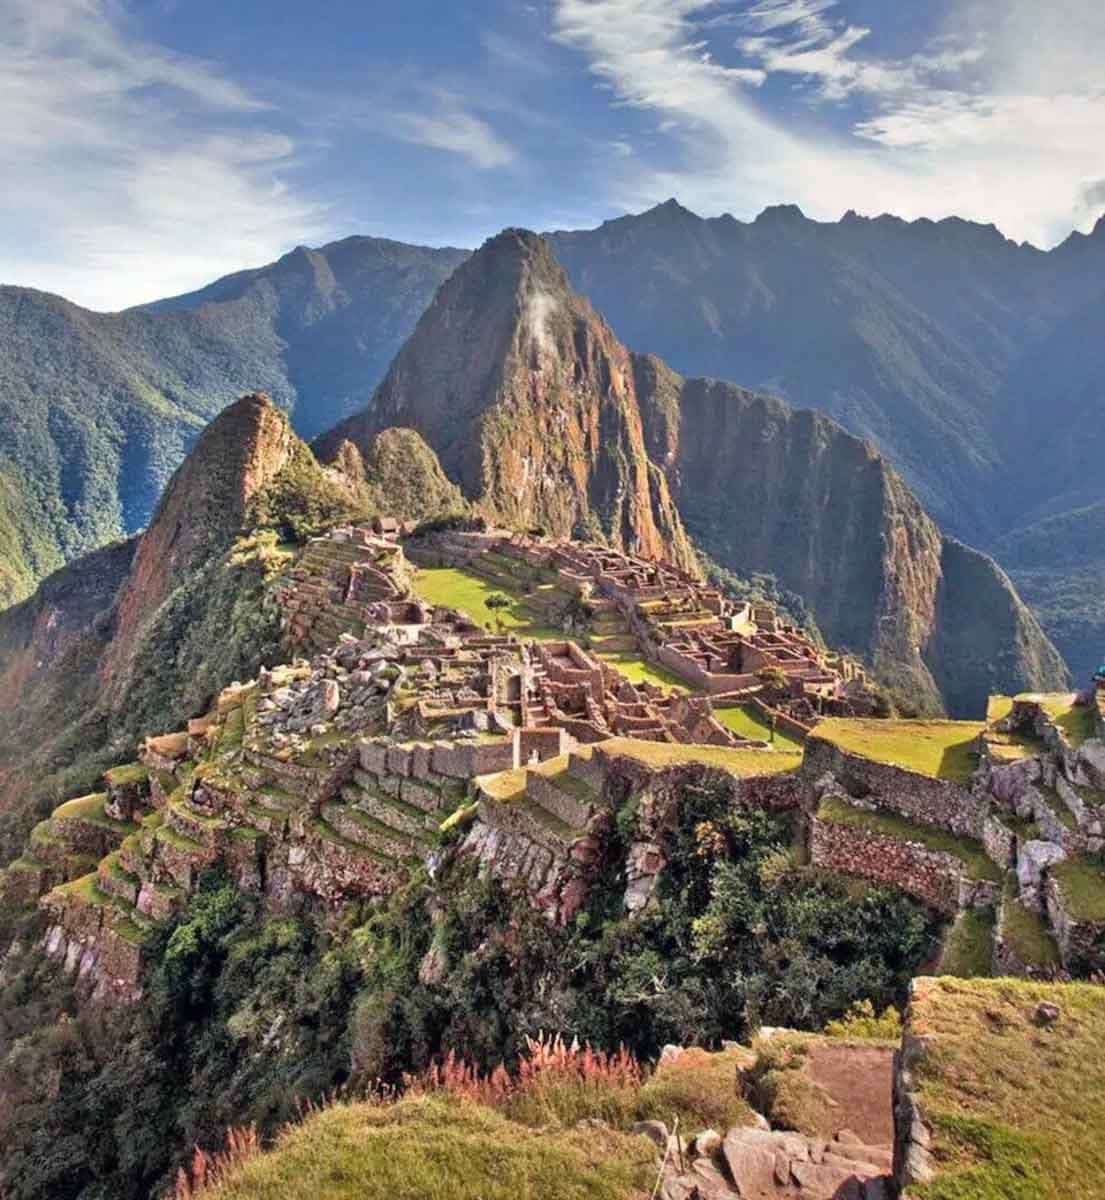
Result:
x=1024 y=930
x=941 y=749
x=454 y=588
x=745 y=763
x=745 y=721
x=1017 y=1109
x=969 y=945
x=979 y=865
x=1083 y=887
x=638 y=670
x=433 y=1148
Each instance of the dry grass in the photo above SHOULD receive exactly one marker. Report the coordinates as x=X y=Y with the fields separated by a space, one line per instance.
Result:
x=698 y=1088
x=438 y=1147
x=1018 y=1109
x=940 y=749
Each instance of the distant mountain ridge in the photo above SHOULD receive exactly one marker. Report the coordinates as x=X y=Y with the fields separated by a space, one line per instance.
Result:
x=542 y=417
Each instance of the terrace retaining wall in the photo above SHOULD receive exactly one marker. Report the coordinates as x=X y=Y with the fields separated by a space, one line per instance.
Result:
x=934 y=877
x=920 y=798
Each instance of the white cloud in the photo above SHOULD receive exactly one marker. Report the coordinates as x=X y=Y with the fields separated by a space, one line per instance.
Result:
x=130 y=172
x=452 y=128
x=999 y=116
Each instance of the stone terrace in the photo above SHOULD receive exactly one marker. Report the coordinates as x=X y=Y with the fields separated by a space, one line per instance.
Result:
x=1021 y=837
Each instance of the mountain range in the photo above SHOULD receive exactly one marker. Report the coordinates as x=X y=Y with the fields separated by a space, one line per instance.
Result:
x=968 y=361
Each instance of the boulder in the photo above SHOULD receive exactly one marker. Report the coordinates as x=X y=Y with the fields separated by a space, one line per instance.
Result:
x=655 y=1131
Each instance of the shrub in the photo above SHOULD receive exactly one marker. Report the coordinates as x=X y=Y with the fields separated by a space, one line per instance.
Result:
x=861 y=1021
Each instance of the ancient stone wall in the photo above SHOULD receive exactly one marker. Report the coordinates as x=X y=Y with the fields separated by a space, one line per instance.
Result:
x=931 y=875
x=919 y=798
x=1081 y=943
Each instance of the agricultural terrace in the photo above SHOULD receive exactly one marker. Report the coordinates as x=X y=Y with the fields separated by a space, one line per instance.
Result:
x=638 y=670
x=746 y=721
x=1075 y=720
x=1017 y=1105
x=744 y=763
x=975 y=860
x=940 y=749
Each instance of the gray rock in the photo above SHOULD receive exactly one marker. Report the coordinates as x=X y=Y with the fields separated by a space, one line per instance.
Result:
x=1047 y=1014
x=656 y=1131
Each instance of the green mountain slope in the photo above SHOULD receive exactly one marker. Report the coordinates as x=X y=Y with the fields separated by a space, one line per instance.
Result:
x=97 y=410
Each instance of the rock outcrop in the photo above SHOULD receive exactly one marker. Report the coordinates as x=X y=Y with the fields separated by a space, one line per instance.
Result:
x=204 y=506
x=764 y=487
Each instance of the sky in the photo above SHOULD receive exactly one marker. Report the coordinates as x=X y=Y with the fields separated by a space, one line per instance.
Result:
x=150 y=146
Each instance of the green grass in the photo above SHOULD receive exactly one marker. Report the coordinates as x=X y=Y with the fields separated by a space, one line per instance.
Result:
x=1017 y=1110
x=745 y=763
x=434 y=1148
x=1025 y=932
x=746 y=721
x=85 y=888
x=969 y=945
x=940 y=749
x=83 y=808
x=998 y=708
x=969 y=852
x=127 y=775
x=451 y=587
x=639 y=670
x=1083 y=886
x=91 y=810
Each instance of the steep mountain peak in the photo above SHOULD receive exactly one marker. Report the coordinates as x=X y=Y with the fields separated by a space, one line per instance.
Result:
x=781 y=214
x=671 y=211
x=528 y=400
x=243 y=449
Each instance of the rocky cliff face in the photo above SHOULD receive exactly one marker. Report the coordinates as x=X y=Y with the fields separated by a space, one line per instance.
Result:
x=530 y=403
x=763 y=487
x=113 y=644
x=243 y=450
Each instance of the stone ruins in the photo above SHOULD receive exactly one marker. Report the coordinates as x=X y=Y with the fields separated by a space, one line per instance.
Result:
x=398 y=731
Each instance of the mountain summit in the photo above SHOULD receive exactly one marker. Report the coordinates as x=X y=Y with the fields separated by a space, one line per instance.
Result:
x=530 y=403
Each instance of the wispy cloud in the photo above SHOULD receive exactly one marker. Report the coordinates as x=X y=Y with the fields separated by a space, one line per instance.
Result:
x=450 y=126
x=998 y=115
x=131 y=172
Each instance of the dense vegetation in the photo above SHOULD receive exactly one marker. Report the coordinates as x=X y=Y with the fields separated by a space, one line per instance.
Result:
x=245 y=1012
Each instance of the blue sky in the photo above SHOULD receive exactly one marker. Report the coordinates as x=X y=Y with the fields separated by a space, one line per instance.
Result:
x=148 y=146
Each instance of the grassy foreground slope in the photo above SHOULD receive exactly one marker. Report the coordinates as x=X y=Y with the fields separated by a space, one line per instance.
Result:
x=429 y=1148
x=1017 y=1105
